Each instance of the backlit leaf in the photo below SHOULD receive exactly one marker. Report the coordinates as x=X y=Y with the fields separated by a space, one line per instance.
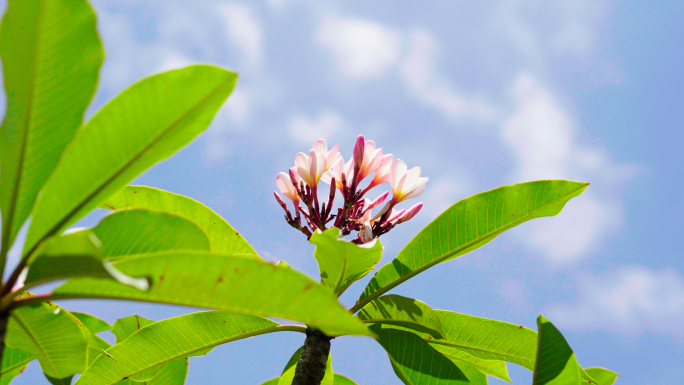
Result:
x=14 y=362
x=407 y=312
x=602 y=376
x=556 y=363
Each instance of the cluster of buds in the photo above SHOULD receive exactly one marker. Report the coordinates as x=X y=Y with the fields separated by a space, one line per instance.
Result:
x=300 y=186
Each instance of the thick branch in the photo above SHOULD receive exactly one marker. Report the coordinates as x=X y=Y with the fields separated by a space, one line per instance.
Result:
x=311 y=366
x=4 y=319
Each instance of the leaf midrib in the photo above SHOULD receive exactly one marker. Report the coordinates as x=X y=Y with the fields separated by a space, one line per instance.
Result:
x=461 y=346
x=35 y=341
x=7 y=230
x=267 y=330
x=107 y=182
x=12 y=367
x=441 y=258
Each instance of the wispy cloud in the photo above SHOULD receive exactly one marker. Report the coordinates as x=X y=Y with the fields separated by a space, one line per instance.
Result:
x=632 y=300
x=243 y=30
x=306 y=130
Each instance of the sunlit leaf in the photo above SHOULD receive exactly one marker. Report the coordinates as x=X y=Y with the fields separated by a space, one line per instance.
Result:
x=146 y=123
x=74 y=255
x=50 y=74
x=342 y=380
x=555 y=363
x=14 y=362
x=94 y=324
x=223 y=238
x=602 y=376
x=122 y=329
x=407 y=312
x=235 y=284
x=138 y=231
x=171 y=339
x=416 y=362
x=342 y=262
x=468 y=225
x=288 y=373
x=50 y=334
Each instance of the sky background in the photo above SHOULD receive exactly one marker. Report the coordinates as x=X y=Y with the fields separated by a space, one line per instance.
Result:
x=478 y=94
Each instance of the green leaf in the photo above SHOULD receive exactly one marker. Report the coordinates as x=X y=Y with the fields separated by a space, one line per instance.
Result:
x=92 y=323
x=174 y=373
x=272 y=381
x=489 y=340
x=342 y=262
x=146 y=123
x=50 y=334
x=171 y=339
x=138 y=231
x=14 y=362
x=556 y=363
x=468 y=225
x=407 y=312
x=602 y=376
x=235 y=284
x=74 y=255
x=467 y=362
x=415 y=362
x=342 y=380
x=60 y=381
x=288 y=373
x=124 y=327
x=223 y=238
x=50 y=74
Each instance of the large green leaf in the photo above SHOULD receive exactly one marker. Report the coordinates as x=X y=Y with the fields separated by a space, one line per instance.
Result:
x=416 y=362
x=467 y=362
x=407 y=312
x=50 y=334
x=223 y=237
x=14 y=362
x=174 y=338
x=556 y=363
x=342 y=262
x=122 y=329
x=74 y=255
x=469 y=224
x=602 y=376
x=138 y=231
x=487 y=339
x=50 y=74
x=342 y=380
x=146 y=123
x=223 y=282
x=288 y=373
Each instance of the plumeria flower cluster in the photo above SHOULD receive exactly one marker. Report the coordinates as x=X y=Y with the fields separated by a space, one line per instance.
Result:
x=300 y=185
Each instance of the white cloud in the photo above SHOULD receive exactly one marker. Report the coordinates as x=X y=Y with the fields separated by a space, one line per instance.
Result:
x=419 y=71
x=243 y=30
x=307 y=130
x=238 y=105
x=442 y=193
x=632 y=300
x=174 y=61
x=363 y=49
x=541 y=136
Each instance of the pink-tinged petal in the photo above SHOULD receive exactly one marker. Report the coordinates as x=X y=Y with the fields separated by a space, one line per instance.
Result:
x=319 y=168
x=415 y=192
x=410 y=213
x=397 y=171
x=359 y=150
x=395 y=215
x=301 y=160
x=330 y=155
x=382 y=211
x=306 y=177
x=284 y=184
x=399 y=191
x=412 y=176
x=368 y=151
x=327 y=176
x=378 y=201
x=320 y=146
x=294 y=176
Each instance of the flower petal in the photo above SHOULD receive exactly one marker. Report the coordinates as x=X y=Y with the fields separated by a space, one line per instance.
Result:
x=415 y=192
x=320 y=146
x=397 y=171
x=412 y=176
x=301 y=160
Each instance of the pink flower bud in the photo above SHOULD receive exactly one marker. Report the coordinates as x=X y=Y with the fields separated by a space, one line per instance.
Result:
x=410 y=213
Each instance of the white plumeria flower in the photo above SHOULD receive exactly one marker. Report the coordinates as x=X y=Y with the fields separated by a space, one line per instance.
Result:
x=311 y=167
x=331 y=157
x=337 y=170
x=366 y=157
x=405 y=184
x=366 y=232
x=285 y=186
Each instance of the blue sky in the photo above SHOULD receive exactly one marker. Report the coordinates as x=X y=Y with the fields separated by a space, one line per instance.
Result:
x=479 y=94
